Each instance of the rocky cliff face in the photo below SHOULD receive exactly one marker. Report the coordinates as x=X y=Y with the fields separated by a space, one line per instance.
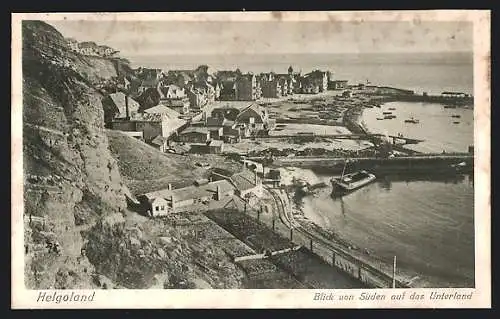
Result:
x=76 y=235
x=70 y=177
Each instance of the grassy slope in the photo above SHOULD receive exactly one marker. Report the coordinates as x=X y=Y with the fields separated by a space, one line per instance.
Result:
x=146 y=169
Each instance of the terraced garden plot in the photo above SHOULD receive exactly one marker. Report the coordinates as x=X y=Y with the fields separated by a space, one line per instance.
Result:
x=248 y=230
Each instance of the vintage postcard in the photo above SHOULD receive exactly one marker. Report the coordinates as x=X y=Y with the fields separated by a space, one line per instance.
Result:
x=251 y=160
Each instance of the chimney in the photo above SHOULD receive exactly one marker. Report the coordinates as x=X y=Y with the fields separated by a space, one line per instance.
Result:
x=218 y=194
x=172 y=201
x=169 y=187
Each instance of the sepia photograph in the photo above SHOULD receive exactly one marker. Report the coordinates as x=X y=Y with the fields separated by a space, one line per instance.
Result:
x=250 y=154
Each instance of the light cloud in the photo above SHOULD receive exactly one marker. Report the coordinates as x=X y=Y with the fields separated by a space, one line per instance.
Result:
x=221 y=38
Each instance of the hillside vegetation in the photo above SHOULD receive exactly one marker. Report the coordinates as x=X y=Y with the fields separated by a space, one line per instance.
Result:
x=145 y=169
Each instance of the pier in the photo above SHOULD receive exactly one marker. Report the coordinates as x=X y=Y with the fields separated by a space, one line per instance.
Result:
x=370 y=137
x=425 y=163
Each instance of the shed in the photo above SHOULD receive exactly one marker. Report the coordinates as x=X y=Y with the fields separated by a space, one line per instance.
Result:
x=216 y=147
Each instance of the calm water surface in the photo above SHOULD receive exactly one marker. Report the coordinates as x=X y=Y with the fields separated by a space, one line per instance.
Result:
x=427 y=224
x=436 y=127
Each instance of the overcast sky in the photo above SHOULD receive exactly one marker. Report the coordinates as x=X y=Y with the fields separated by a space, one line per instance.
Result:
x=156 y=38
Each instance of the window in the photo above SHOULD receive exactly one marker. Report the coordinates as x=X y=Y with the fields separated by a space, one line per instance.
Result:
x=157 y=208
x=162 y=207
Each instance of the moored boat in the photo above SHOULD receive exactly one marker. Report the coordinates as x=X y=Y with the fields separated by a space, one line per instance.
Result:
x=389 y=117
x=380 y=118
x=386 y=113
x=456 y=116
x=450 y=106
x=350 y=182
x=456 y=122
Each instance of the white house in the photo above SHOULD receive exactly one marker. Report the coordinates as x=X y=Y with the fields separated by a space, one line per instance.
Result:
x=158 y=206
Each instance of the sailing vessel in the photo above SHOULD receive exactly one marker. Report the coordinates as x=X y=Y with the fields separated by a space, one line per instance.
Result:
x=412 y=120
x=348 y=183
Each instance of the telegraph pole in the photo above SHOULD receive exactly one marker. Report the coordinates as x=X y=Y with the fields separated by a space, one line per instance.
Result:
x=394 y=273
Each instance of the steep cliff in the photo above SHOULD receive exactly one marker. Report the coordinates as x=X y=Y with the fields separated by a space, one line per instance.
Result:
x=78 y=231
x=70 y=176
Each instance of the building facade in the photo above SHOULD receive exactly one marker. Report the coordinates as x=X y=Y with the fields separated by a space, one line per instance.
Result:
x=195 y=135
x=271 y=87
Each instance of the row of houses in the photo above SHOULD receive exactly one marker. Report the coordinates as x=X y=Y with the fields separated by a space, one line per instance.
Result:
x=200 y=87
x=161 y=124
x=185 y=90
x=90 y=48
x=246 y=184
x=229 y=125
x=251 y=87
x=155 y=125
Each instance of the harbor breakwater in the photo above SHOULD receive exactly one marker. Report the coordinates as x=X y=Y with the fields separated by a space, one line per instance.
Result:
x=416 y=164
x=455 y=101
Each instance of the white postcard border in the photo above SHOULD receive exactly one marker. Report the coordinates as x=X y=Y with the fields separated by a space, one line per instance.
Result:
x=276 y=298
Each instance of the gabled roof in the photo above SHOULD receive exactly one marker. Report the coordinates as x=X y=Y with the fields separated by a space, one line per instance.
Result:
x=162 y=109
x=165 y=89
x=118 y=100
x=255 y=108
x=146 y=117
x=195 y=129
x=171 y=117
x=244 y=180
x=174 y=102
x=192 y=192
x=216 y=143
